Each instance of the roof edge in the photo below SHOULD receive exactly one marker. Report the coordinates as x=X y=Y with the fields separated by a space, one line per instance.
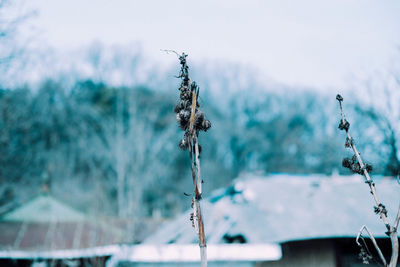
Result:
x=190 y=253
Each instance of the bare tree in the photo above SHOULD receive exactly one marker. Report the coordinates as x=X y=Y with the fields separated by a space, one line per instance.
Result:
x=356 y=165
x=12 y=17
x=134 y=131
x=378 y=107
x=389 y=137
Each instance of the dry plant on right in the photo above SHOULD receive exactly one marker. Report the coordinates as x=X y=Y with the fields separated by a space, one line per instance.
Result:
x=356 y=165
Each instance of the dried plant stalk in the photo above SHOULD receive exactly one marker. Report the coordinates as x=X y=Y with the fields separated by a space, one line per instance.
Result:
x=371 y=236
x=192 y=120
x=357 y=165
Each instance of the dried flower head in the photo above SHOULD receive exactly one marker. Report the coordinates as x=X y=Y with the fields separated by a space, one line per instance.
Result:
x=184 y=108
x=364 y=256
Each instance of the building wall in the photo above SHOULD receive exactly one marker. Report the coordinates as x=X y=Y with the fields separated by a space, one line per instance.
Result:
x=187 y=264
x=305 y=253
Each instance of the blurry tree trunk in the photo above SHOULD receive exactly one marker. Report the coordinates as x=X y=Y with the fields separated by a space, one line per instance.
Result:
x=120 y=154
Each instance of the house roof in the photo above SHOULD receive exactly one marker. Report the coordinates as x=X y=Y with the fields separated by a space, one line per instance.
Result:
x=52 y=236
x=281 y=208
x=189 y=253
x=46 y=225
x=44 y=208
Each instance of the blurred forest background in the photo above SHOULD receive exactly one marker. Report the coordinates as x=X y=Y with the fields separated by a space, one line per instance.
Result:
x=111 y=148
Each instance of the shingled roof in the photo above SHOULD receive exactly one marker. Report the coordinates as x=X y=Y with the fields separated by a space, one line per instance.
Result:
x=47 y=224
x=281 y=208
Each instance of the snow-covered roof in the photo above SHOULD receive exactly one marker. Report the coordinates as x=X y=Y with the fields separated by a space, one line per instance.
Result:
x=190 y=253
x=44 y=208
x=281 y=208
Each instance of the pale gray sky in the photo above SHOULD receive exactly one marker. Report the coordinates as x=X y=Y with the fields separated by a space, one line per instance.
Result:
x=308 y=43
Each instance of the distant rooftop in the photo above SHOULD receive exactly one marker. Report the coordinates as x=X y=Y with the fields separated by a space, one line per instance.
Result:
x=44 y=208
x=281 y=208
x=45 y=225
x=189 y=253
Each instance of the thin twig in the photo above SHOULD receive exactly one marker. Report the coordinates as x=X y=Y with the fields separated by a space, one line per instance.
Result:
x=371 y=236
x=396 y=221
x=170 y=51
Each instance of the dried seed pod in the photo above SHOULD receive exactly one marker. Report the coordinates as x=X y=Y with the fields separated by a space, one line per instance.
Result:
x=356 y=168
x=185 y=104
x=381 y=209
x=206 y=125
x=178 y=118
x=344 y=125
x=184 y=114
x=368 y=167
x=346 y=163
x=178 y=107
x=198 y=120
x=349 y=142
x=365 y=256
x=183 y=118
x=191 y=218
x=186 y=95
x=183 y=144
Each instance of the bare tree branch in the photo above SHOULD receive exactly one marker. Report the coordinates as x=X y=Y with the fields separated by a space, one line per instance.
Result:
x=389 y=133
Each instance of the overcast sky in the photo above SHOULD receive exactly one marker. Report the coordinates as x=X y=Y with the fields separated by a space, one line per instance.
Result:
x=307 y=43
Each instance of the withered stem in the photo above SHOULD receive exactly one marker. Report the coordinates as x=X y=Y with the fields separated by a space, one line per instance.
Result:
x=191 y=133
x=364 y=227
x=391 y=230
